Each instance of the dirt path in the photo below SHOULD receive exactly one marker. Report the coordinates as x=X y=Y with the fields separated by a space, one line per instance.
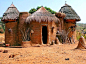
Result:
x=55 y=54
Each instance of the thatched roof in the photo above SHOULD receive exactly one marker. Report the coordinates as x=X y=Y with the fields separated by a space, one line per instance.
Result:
x=70 y=13
x=11 y=13
x=42 y=15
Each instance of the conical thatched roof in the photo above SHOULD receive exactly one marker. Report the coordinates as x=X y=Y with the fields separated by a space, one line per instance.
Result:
x=70 y=13
x=42 y=15
x=11 y=13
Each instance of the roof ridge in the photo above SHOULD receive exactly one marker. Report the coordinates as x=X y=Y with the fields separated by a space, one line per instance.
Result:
x=12 y=5
x=42 y=9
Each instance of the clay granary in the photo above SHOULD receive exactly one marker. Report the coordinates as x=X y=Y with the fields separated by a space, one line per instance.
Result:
x=41 y=27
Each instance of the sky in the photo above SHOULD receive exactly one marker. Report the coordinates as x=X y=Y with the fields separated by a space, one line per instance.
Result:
x=25 y=5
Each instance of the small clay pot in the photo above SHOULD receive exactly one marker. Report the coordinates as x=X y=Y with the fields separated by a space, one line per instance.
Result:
x=7 y=45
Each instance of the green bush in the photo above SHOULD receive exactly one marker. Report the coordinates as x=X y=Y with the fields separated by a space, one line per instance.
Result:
x=0 y=27
x=85 y=37
x=48 y=9
x=78 y=35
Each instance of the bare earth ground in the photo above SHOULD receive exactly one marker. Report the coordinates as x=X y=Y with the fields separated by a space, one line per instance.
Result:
x=55 y=54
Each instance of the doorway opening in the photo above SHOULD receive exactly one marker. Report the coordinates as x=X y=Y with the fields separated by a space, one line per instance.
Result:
x=44 y=34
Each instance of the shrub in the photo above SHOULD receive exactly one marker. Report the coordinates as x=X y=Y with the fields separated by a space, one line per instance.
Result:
x=78 y=35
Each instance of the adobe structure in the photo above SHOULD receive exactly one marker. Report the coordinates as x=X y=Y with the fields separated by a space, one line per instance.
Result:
x=68 y=23
x=40 y=27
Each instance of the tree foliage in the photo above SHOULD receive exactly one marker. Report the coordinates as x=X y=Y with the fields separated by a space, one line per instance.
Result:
x=81 y=30
x=0 y=17
x=2 y=25
x=32 y=10
x=47 y=8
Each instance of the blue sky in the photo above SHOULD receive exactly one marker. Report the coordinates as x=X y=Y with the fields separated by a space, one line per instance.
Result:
x=25 y=5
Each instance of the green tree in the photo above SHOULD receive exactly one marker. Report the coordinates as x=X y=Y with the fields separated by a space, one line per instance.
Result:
x=47 y=8
x=38 y=7
x=0 y=17
x=50 y=10
x=32 y=10
x=2 y=24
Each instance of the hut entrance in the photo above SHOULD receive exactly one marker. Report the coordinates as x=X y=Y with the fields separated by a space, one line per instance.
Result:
x=44 y=34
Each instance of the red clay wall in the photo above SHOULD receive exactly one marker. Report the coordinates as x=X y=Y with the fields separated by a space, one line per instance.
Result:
x=72 y=33
x=65 y=26
x=60 y=26
x=11 y=37
x=36 y=37
x=21 y=25
x=52 y=34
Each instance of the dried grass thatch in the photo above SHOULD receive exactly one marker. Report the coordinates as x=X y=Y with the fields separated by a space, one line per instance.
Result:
x=59 y=14
x=11 y=13
x=42 y=15
x=70 y=13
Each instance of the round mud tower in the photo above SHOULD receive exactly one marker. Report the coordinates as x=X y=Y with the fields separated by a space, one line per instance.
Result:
x=81 y=44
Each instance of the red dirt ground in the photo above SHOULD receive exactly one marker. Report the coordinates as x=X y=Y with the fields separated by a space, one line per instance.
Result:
x=54 y=54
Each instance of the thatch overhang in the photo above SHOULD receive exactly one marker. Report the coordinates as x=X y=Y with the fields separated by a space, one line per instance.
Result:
x=60 y=15
x=70 y=13
x=42 y=15
x=11 y=14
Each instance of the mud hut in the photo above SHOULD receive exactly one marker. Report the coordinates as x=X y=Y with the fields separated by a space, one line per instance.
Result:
x=68 y=21
x=40 y=27
x=43 y=26
x=10 y=18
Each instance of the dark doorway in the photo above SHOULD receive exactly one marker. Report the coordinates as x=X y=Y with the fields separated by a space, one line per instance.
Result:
x=44 y=34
